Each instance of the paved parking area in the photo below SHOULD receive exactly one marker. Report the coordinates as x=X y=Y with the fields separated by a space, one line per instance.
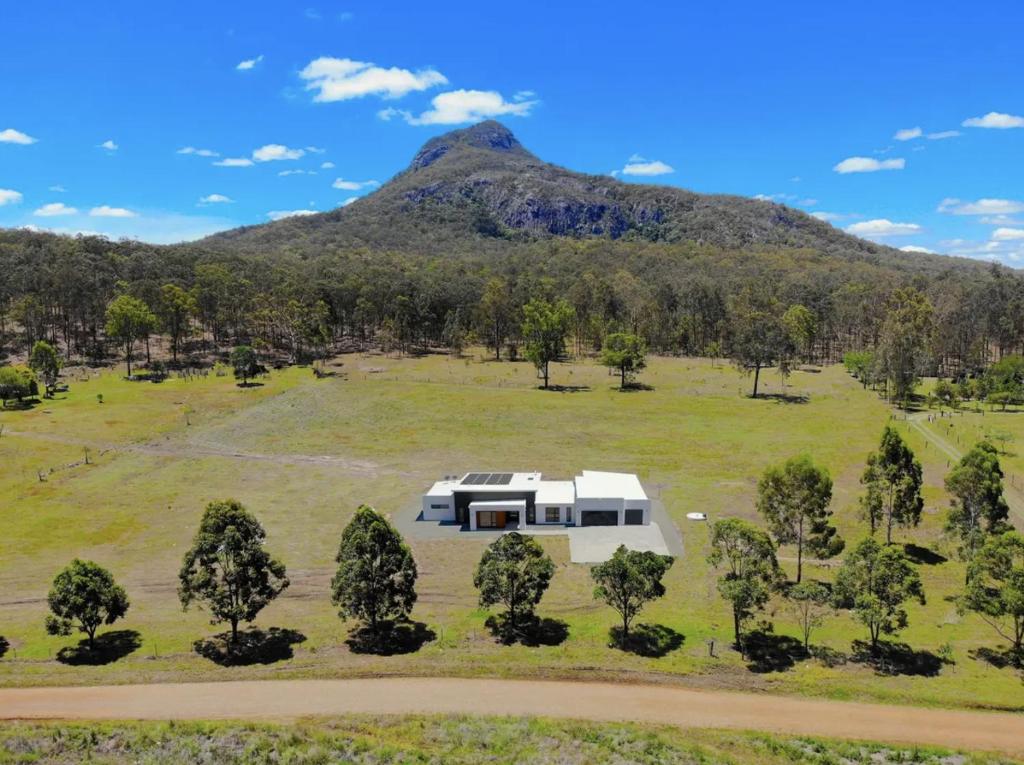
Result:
x=596 y=544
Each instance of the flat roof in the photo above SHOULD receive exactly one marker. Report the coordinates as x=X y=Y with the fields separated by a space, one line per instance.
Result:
x=556 y=493
x=484 y=481
x=596 y=484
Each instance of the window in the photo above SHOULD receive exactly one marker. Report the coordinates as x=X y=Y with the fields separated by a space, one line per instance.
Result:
x=552 y=515
x=485 y=519
x=568 y=515
x=439 y=507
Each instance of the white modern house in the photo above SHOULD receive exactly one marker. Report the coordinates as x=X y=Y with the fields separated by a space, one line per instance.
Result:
x=517 y=500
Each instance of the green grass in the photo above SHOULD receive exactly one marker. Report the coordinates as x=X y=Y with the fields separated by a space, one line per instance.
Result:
x=313 y=450
x=449 y=740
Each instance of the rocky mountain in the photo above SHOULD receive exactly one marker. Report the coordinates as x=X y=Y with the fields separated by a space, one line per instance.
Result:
x=479 y=186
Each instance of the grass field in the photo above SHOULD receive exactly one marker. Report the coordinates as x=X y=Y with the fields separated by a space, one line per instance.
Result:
x=302 y=453
x=455 y=740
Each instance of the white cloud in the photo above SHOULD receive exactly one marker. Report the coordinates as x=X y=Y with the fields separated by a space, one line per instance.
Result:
x=58 y=188
x=214 y=199
x=9 y=197
x=637 y=165
x=249 y=63
x=315 y=150
x=276 y=151
x=279 y=214
x=234 y=162
x=326 y=165
x=198 y=152
x=285 y=173
x=109 y=145
x=349 y=201
x=996 y=120
x=10 y=135
x=106 y=211
x=908 y=134
x=1008 y=235
x=868 y=165
x=828 y=217
x=981 y=207
x=341 y=183
x=458 y=106
x=882 y=227
x=943 y=134
x=1000 y=220
x=341 y=79
x=916 y=248
x=54 y=209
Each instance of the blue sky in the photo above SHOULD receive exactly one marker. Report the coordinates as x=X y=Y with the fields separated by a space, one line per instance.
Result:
x=903 y=122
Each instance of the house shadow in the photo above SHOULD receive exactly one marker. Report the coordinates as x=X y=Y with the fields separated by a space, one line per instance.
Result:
x=107 y=648
x=534 y=631
x=650 y=640
x=923 y=556
x=1000 y=659
x=253 y=646
x=391 y=638
x=896 y=659
x=768 y=652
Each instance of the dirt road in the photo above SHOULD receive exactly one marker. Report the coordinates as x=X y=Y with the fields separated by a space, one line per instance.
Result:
x=283 y=699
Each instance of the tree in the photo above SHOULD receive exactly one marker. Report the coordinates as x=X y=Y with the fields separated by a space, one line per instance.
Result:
x=794 y=499
x=176 y=308
x=227 y=567
x=893 y=480
x=376 y=577
x=978 y=508
x=751 y=569
x=946 y=394
x=995 y=587
x=629 y=580
x=245 y=363
x=626 y=353
x=875 y=581
x=904 y=342
x=46 y=363
x=802 y=326
x=811 y=602
x=860 y=364
x=495 y=312
x=760 y=341
x=17 y=383
x=544 y=327
x=84 y=596
x=129 y=320
x=515 y=572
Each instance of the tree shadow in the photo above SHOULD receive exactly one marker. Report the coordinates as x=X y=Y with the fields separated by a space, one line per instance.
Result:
x=249 y=384
x=1000 y=659
x=923 y=556
x=829 y=657
x=566 y=388
x=4 y=646
x=392 y=638
x=768 y=652
x=897 y=659
x=254 y=646
x=634 y=387
x=785 y=398
x=533 y=631
x=20 y=406
x=650 y=640
x=108 y=648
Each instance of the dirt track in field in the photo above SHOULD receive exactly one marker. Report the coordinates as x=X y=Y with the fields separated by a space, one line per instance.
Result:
x=666 y=705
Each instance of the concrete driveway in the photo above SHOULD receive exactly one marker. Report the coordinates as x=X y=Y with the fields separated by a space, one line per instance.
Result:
x=596 y=544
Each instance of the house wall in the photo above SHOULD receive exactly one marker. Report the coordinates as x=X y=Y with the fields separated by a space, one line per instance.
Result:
x=440 y=508
x=542 y=513
x=618 y=505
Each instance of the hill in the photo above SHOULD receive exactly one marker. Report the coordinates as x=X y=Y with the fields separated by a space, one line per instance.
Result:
x=481 y=187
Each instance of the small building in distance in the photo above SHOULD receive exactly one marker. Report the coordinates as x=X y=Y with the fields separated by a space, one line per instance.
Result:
x=496 y=500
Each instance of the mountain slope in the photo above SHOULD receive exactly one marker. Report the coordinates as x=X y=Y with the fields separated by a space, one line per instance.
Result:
x=478 y=189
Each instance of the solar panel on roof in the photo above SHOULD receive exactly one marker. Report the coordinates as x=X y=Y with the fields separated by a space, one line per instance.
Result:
x=474 y=478
x=493 y=478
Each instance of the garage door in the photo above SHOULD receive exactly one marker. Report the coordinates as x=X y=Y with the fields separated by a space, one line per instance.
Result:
x=599 y=518
x=634 y=517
